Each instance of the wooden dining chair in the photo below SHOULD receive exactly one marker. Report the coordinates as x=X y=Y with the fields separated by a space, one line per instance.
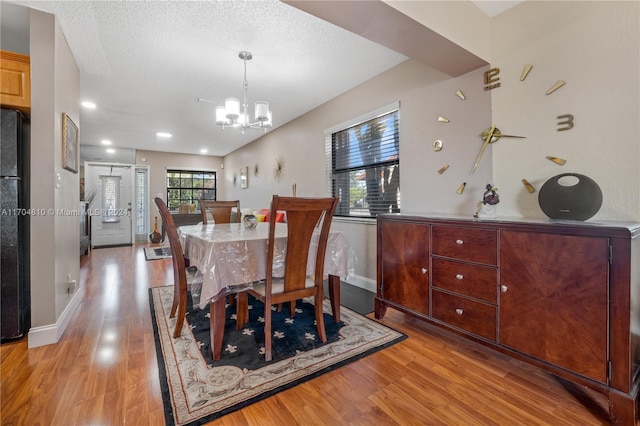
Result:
x=180 y=285
x=220 y=210
x=304 y=217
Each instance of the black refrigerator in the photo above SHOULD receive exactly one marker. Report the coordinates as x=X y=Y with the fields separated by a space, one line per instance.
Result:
x=14 y=225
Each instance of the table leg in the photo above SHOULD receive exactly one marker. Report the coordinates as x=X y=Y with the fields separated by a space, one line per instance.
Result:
x=334 y=295
x=217 y=311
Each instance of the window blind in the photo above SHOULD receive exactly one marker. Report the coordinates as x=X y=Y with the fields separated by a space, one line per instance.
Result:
x=365 y=166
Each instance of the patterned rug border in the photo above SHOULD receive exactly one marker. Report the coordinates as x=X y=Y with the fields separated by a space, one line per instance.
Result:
x=323 y=359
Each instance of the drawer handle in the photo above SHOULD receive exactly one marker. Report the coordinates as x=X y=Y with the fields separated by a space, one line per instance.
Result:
x=459 y=242
x=424 y=270
x=459 y=276
x=459 y=311
x=504 y=288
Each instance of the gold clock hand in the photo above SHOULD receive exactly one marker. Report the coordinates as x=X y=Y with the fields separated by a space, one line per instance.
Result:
x=500 y=135
x=497 y=135
x=484 y=146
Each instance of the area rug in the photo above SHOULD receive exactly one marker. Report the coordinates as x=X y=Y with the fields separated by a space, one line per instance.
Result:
x=153 y=253
x=196 y=390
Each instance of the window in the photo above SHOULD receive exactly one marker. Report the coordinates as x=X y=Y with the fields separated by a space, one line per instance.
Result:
x=141 y=197
x=110 y=198
x=365 y=165
x=188 y=187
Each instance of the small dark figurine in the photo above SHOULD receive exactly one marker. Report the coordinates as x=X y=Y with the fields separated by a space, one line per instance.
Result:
x=490 y=196
x=489 y=200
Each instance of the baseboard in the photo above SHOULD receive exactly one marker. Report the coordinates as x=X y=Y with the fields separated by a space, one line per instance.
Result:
x=362 y=282
x=51 y=334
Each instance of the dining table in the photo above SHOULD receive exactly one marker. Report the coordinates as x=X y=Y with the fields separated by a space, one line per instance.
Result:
x=232 y=257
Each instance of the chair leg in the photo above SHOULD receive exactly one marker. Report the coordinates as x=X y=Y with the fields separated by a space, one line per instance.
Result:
x=292 y=307
x=182 y=312
x=322 y=332
x=267 y=332
x=180 y=303
x=174 y=308
x=176 y=299
x=334 y=296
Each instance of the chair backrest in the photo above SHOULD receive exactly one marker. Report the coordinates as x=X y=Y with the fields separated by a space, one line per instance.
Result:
x=220 y=210
x=304 y=217
x=179 y=274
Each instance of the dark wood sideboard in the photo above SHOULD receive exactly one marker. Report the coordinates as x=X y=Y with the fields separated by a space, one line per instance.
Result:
x=562 y=295
x=183 y=219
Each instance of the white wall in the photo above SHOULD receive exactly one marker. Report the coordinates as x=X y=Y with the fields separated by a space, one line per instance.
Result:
x=595 y=48
x=459 y=21
x=158 y=163
x=424 y=94
x=55 y=252
x=43 y=246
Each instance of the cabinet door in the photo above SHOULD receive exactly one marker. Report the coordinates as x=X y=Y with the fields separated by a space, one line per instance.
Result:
x=405 y=265
x=553 y=299
x=15 y=74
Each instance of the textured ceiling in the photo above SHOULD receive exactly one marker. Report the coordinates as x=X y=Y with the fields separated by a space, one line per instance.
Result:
x=145 y=64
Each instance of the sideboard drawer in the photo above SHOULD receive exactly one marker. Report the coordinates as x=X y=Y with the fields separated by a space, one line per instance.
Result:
x=475 y=245
x=470 y=280
x=474 y=317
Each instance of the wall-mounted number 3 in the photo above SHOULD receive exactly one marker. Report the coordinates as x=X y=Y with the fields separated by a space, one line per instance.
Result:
x=566 y=122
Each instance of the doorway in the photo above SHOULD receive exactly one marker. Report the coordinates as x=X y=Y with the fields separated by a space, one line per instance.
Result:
x=111 y=209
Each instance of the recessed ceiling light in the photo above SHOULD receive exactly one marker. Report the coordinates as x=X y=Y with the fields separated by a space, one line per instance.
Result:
x=110 y=150
x=105 y=142
x=203 y=151
x=89 y=105
x=163 y=135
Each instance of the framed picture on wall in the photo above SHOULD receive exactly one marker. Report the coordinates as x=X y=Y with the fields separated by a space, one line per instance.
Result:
x=69 y=144
x=244 y=177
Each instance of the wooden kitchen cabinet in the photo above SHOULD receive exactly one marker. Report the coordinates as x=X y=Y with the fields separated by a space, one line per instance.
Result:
x=562 y=295
x=15 y=81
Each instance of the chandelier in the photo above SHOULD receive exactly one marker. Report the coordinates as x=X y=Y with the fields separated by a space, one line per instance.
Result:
x=231 y=114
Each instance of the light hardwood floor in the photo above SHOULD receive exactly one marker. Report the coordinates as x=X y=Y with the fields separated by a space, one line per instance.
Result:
x=104 y=372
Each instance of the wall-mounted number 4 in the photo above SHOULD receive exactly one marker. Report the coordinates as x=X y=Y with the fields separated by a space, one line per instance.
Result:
x=566 y=122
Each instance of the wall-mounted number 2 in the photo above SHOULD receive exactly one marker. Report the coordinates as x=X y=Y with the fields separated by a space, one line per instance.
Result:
x=566 y=122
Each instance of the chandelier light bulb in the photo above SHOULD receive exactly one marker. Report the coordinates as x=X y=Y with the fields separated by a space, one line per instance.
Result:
x=262 y=111
x=221 y=116
x=232 y=107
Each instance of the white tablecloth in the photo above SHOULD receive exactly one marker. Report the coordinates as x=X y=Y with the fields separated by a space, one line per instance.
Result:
x=232 y=257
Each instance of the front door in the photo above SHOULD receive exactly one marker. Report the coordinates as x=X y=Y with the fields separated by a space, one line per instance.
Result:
x=111 y=207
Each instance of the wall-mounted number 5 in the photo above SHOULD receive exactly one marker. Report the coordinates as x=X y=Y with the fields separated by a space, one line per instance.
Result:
x=566 y=122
